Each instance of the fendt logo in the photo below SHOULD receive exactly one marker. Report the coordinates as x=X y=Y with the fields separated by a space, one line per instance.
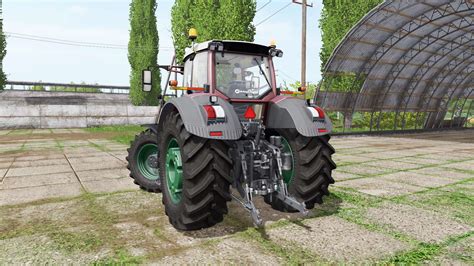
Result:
x=237 y=91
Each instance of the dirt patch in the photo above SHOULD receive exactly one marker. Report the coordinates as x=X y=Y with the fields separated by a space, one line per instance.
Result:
x=140 y=240
x=132 y=203
x=461 y=253
x=423 y=225
x=229 y=251
x=337 y=240
x=378 y=187
x=41 y=250
x=415 y=179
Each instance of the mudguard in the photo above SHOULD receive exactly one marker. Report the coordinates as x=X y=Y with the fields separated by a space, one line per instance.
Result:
x=291 y=112
x=190 y=107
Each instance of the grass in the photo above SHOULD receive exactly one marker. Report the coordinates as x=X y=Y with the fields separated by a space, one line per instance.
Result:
x=425 y=252
x=125 y=139
x=76 y=241
x=422 y=253
x=457 y=203
x=122 y=134
x=120 y=257
x=292 y=254
x=127 y=128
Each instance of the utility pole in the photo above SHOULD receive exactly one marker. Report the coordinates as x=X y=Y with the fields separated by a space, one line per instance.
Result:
x=304 y=6
x=1 y=32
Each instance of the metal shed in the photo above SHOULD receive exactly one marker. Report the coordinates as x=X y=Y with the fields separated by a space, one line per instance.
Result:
x=405 y=58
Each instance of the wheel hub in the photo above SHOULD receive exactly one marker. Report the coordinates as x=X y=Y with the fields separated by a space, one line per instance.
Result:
x=153 y=161
x=174 y=171
x=288 y=174
x=147 y=160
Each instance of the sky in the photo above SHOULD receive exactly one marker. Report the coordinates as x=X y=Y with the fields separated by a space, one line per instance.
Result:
x=106 y=22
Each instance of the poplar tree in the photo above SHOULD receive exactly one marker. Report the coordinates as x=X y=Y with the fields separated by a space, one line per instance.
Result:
x=143 y=51
x=3 y=51
x=213 y=19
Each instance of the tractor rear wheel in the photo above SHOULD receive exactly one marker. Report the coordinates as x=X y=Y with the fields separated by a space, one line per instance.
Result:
x=143 y=161
x=311 y=174
x=196 y=176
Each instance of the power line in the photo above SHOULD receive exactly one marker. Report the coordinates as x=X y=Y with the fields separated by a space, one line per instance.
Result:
x=269 y=1
x=65 y=43
x=278 y=11
x=75 y=43
x=285 y=74
x=61 y=40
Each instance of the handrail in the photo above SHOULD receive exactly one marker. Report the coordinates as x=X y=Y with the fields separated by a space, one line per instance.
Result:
x=28 y=86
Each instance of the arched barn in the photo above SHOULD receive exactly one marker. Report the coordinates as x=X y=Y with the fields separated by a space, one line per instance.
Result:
x=405 y=65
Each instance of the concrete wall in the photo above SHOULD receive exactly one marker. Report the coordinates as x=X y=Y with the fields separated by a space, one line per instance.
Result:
x=70 y=110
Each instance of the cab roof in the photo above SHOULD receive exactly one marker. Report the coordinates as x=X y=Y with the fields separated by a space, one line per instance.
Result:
x=231 y=46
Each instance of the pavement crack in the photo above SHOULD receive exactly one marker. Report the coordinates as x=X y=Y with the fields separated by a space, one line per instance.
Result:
x=75 y=174
x=6 y=173
x=104 y=149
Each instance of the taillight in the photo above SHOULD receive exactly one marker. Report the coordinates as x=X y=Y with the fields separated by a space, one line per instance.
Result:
x=250 y=113
x=215 y=113
x=320 y=112
x=215 y=134
x=211 y=113
x=316 y=112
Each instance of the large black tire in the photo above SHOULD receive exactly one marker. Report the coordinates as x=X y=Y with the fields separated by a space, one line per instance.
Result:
x=206 y=172
x=312 y=170
x=144 y=138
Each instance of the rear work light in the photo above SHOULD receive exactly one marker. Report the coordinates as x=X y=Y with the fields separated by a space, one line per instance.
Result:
x=316 y=112
x=215 y=113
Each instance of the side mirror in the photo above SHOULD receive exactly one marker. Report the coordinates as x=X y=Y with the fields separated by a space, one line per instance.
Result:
x=146 y=80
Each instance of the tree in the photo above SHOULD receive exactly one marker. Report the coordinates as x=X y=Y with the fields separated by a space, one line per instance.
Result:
x=310 y=89
x=337 y=18
x=3 y=52
x=214 y=19
x=143 y=51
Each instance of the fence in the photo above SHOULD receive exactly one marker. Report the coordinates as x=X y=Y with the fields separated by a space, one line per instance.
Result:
x=64 y=87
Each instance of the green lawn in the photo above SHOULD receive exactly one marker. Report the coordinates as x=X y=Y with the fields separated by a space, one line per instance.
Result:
x=123 y=134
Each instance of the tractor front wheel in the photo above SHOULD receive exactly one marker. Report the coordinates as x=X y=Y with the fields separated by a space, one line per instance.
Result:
x=143 y=161
x=311 y=172
x=195 y=176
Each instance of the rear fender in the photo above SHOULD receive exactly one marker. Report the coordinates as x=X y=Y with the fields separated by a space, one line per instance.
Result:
x=190 y=108
x=291 y=112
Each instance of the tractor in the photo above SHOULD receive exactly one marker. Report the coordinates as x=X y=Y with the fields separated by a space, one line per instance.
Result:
x=229 y=133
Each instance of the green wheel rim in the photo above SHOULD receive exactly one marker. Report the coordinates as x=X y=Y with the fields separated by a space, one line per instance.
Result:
x=174 y=171
x=147 y=158
x=288 y=174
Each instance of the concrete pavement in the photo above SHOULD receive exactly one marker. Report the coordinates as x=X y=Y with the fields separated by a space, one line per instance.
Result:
x=401 y=198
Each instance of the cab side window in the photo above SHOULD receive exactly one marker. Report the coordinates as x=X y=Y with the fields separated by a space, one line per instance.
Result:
x=195 y=71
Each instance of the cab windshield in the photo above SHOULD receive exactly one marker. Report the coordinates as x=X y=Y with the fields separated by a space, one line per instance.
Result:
x=241 y=76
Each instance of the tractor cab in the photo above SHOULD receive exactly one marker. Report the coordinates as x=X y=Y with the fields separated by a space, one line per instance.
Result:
x=234 y=70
